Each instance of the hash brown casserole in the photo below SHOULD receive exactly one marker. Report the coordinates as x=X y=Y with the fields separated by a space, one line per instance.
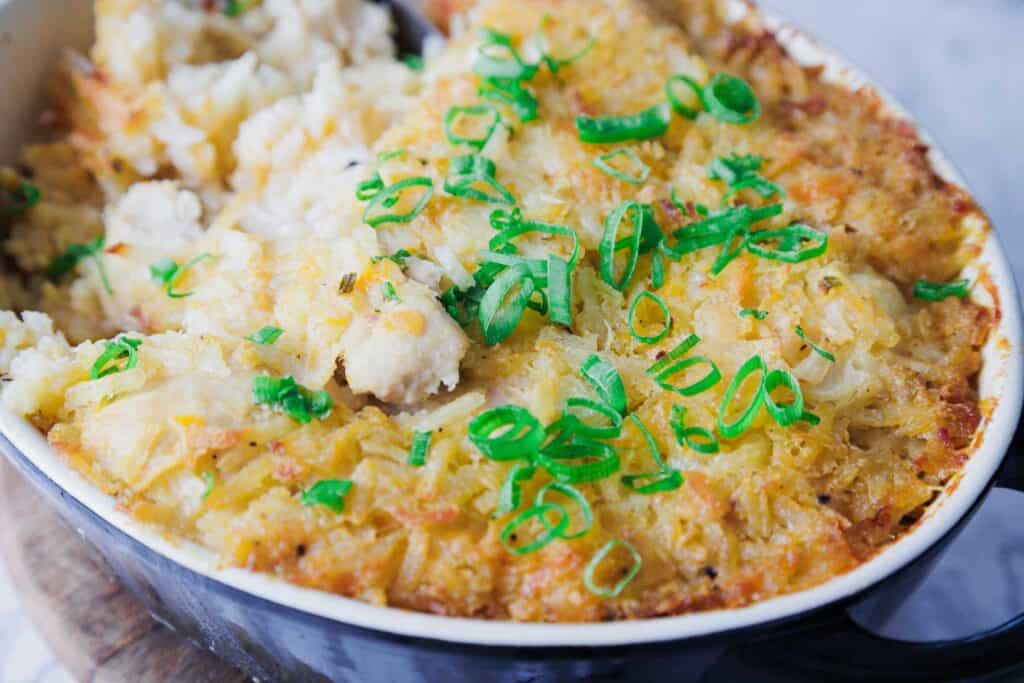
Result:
x=604 y=310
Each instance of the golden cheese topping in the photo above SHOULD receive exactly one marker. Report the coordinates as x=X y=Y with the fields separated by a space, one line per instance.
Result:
x=309 y=389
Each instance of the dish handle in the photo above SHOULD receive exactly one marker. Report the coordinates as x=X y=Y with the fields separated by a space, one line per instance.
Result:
x=837 y=648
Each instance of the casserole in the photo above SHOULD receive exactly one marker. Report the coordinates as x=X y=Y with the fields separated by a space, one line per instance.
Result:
x=1000 y=378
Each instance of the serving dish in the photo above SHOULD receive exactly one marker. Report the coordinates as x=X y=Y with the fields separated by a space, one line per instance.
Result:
x=278 y=631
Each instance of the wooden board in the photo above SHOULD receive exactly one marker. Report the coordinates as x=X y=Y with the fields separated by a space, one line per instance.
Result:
x=96 y=628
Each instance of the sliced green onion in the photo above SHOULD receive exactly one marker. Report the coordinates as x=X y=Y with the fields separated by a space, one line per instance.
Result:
x=66 y=262
x=476 y=111
x=327 y=492
x=610 y=243
x=674 y=100
x=603 y=162
x=511 y=93
x=511 y=225
x=754 y=313
x=817 y=349
x=609 y=431
x=499 y=313
x=555 y=64
x=550 y=532
x=560 y=290
x=791 y=243
x=786 y=413
x=810 y=418
x=178 y=273
x=578 y=498
x=387 y=290
x=390 y=154
x=378 y=211
x=498 y=59
x=657 y=270
x=369 y=188
x=731 y=430
x=24 y=198
x=235 y=8
x=606 y=381
x=729 y=98
x=580 y=461
x=740 y=172
x=114 y=351
x=420 y=446
x=414 y=62
x=296 y=401
x=592 y=566
x=698 y=438
x=265 y=336
x=506 y=433
x=649 y=123
x=210 y=481
x=511 y=493
x=398 y=258
x=661 y=480
x=666 y=315
x=937 y=291
x=709 y=380
x=466 y=171
x=672 y=356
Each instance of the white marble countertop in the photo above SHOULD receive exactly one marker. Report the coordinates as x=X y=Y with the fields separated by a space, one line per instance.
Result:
x=956 y=65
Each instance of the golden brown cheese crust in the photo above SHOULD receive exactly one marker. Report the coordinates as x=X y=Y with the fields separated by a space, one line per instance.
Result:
x=778 y=510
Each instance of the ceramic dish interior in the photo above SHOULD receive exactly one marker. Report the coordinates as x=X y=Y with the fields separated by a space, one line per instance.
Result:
x=1000 y=385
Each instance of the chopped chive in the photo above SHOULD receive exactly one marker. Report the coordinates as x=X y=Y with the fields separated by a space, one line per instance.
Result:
x=817 y=349
x=649 y=123
x=26 y=196
x=327 y=492
x=114 y=351
x=420 y=446
x=210 y=480
x=506 y=433
x=378 y=211
x=388 y=291
x=467 y=172
x=295 y=400
x=606 y=381
x=937 y=291
x=666 y=315
x=603 y=162
x=754 y=313
x=620 y=585
x=476 y=111
x=265 y=336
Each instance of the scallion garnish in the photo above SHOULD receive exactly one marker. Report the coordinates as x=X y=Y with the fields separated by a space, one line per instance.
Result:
x=583 y=428
x=577 y=497
x=649 y=123
x=661 y=480
x=399 y=258
x=420 y=446
x=791 y=247
x=295 y=400
x=235 y=8
x=506 y=433
x=560 y=290
x=698 y=438
x=369 y=188
x=606 y=381
x=511 y=493
x=551 y=532
x=638 y=173
x=817 y=349
x=784 y=413
x=675 y=354
x=468 y=172
x=673 y=364
x=510 y=92
x=327 y=492
x=556 y=63
x=66 y=262
x=210 y=481
x=470 y=115
x=265 y=336
x=728 y=98
x=755 y=313
x=498 y=59
x=499 y=313
x=387 y=290
x=26 y=196
x=379 y=210
x=589 y=578
x=167 y=273
x=116 y=350
x=510 y=224
x=414 y=62
x=731 y=430
x=937 y=291
x=645 y=236
x=576 y=460
x=657 y=270
x=666 y=318
x=741 y=172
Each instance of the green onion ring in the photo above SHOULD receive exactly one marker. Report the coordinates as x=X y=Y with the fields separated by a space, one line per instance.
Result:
x=649 y=339
x=649 y=123
x=610 y=244
x=790 y=248
x=602 y=162
x=521 y=440
x=498 y=316
x=729 y=98
x=473 y=168
x=454 y=113
x=787 y=413
x=685 y=435
x=814 y=347
x=657 y=270
x=615 y=590
x=511 y=493
x=550 y=534
x=606 y=381
x=514 y=226
x=610 y=431
x=419 y=449
x=673 y=98
x=560 y=290
x=510 y=92
x=387 y=197
x=743 y=422
x=675 y=354
x=703 y=384
x=937 y=291
x=580 y=462
x=501 y=60
x=660 y=481
x=566 y=490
